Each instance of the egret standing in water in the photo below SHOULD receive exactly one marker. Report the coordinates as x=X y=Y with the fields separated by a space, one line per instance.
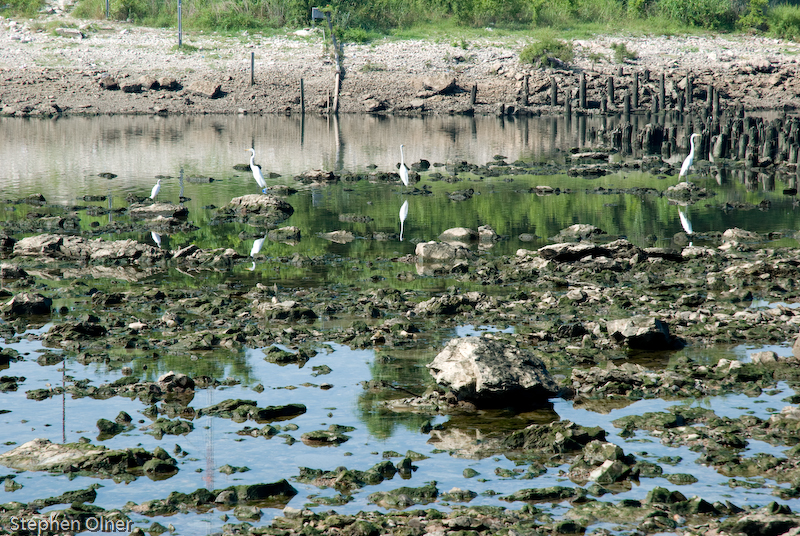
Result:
x=403 y=216
x=155 y=190
x=156 y=238
x=403 y=169
x=689 y=159
x=257 y=172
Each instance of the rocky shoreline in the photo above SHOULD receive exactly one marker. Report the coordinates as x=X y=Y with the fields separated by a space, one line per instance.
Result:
x=103 y=67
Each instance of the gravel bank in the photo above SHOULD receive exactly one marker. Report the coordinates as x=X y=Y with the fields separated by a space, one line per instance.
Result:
x=51 y=72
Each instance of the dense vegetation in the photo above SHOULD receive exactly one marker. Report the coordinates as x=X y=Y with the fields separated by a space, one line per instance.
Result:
x=360 y=21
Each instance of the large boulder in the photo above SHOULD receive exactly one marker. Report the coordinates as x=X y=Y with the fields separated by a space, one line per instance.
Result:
x=441 y=252
x=491 y=373
x=28 y=304
x=642 y=333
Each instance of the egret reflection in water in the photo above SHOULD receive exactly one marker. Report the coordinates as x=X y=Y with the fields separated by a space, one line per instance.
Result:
x=403 y=216
x=257 y=244
x=686 y=224
x=403 y=169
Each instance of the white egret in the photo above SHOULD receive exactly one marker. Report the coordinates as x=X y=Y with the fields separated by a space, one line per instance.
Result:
x=403 y=168
x=257 y=172
x=257 y=246
x=155 y=190
x=156 y=238
x=403 y=216
x=689 y=159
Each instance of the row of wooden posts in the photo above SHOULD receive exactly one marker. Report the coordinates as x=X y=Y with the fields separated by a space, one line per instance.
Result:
x=630 y=98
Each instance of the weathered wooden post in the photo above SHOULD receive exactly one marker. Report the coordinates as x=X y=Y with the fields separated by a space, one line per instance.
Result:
x=473 y=95
x=635 y=93
x=582 y=92
x=553 y=92
x=688 y=90
x=302 y=97
x=252 y=68
x=525 y=89
x=662 y=95
x=610 y=91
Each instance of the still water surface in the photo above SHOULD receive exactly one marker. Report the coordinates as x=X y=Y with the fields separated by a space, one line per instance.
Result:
x=62 y=159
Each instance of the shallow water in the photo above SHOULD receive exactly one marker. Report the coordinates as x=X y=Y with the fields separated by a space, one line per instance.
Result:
x=62 y=159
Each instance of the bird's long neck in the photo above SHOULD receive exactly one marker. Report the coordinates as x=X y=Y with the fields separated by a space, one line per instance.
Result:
x=691 y=145
x=253 y=159
x=402 y=157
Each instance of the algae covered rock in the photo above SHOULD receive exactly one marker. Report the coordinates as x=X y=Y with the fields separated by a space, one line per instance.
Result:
x=88 y=459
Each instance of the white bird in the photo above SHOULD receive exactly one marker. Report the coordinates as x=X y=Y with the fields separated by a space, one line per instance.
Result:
x=156 y=238
x=155 y=190
x=403 y=168
x=403 y=216
x=689 y=159
x=257 y=172
x=257 y=246
x=685 y=223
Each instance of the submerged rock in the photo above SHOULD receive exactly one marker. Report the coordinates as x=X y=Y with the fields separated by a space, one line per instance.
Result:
x=88 y=459
x=28 y=304
x=492 y=373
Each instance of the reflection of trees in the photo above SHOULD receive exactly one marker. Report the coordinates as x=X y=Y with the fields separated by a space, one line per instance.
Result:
x=394 y=374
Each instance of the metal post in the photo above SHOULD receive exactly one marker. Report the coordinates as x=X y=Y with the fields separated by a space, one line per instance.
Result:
x=180 y=27
x=302 y=97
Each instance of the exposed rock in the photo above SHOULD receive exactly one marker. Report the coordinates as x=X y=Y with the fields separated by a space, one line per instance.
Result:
x=131 y=87
x=156 y=210
x=442 y=84
x=458 y=234
x=285 y=234
x=736 y=236
x=205 y=88
x=42 y=455
x=168 y=83
x=317 y=176
x=285 y=310
x=492 y=373
x=108 y=82
x=441 y=252
x=257 y=209
x=148 y=82
x=28 y=304
x=579 y=231
x=643 y=333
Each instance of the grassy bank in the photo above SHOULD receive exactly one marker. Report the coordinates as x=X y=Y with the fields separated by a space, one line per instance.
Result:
x=362 y=21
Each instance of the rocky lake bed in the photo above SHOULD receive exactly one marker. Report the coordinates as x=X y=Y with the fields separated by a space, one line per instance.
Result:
x=591 y=321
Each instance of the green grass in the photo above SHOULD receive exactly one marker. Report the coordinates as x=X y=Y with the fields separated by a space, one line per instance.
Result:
x=622 y=52
x=461 y=23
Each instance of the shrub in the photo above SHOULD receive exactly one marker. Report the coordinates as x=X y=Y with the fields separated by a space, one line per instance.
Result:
x=622 y=52
x=21 y=8
x=708 y=14
x=756 y=17
x=784 y=21
x=543 y=52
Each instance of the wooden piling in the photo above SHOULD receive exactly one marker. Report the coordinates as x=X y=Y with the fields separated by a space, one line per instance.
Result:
x=626 y=103
x=567 y=106
x=688 y=90
x=525 y=89
x=473 y=95
x=610 y=91
x=662 y=95
x=553 y=92
x=252 y=68
x=336 y=87
x=635 y=93
x=302 y=97
x=582 y=92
